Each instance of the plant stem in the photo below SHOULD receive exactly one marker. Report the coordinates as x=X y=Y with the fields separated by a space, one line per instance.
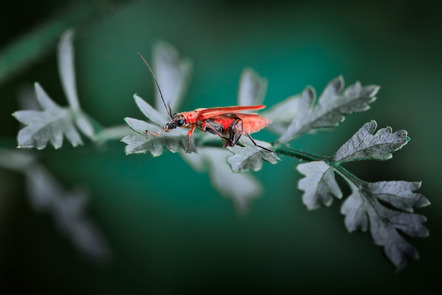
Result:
x=344 y=173
x=300 y=154
x=312 y=157
x=112 y=133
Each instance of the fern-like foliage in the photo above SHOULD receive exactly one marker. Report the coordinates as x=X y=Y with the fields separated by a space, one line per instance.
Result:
x=363 y=209
x=51 y=122
x=385 y=208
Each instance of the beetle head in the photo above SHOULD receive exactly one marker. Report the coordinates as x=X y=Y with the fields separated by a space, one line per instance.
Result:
x=178 y=120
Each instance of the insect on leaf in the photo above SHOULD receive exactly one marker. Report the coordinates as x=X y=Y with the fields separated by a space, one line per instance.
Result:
x=319 y=184
x=366 y=145
x=141 y=142
x=363 y=211
x=329 y=111
x=50 y=124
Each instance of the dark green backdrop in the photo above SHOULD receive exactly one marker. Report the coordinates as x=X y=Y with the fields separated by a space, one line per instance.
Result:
x=168 y=229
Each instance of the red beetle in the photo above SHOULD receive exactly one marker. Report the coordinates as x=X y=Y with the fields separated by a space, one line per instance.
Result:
x=226 y=122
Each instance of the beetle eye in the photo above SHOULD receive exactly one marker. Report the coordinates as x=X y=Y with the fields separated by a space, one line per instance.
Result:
x=180 y=122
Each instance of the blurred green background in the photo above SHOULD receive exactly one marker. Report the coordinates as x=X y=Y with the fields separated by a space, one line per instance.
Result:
x=169 y=230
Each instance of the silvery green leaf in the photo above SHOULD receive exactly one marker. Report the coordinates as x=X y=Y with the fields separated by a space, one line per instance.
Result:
x=319 y=184
x=66 y=68
x=50 y=124
x=27 y=100
x=84 y=124
x=363 y=211
x=67 y=208
x=366 y=145
x=399 y=194
x=330 y=109
x=141 y=126
x=141 y=142
x=250 y=156
x=173 y=74
x=282 y=114
x=151 y=113
x=242 y=188
x=252 y=88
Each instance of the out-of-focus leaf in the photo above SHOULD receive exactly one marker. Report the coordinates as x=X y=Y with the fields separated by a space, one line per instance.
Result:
x=173 y=74
x=330 y=109
x=50 y=124
x=66 y=68
x=252 y=88
x=362 y=210
x=67 y=208
x=282 y=114
x=250 y=156
x=15 y=160
x=364 y=145
x=319 y=184
x=242 y=188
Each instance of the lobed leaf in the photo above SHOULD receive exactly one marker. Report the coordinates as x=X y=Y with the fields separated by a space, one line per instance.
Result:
x=366 y=145
x=50 y=124
x=330 y=109
x=319 y=184
x=362 y=210
x=143 y=142
x=399 y=194
x=250 y=156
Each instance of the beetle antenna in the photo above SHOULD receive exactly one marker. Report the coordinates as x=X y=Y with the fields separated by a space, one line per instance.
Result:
x=168 y=110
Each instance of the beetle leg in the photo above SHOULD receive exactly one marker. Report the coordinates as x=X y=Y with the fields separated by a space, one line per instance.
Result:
x=248 y=135
x=208 y=125
x=188 y=137
x=155 y=134
x=235 y=130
